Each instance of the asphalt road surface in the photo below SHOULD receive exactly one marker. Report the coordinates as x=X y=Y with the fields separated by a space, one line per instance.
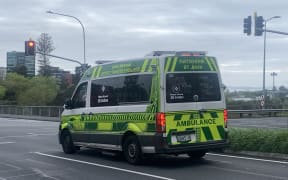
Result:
x=29 y=150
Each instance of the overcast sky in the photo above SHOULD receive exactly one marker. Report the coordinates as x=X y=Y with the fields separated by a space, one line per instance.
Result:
x=120 y=29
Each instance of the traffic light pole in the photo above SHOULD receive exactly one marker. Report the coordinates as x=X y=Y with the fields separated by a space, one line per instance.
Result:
x=264 y=64
x=83 y=66
x=276 y=32
x=67 y=59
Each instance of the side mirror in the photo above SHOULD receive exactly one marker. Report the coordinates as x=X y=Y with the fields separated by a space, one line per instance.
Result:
x=68 y=104
x=223 y=86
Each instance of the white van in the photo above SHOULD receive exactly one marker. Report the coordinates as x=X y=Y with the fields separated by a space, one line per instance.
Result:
x=167 y=102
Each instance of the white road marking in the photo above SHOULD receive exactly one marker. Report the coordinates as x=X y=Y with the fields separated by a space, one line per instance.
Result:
x=29 y=135
x=104 y=166
x=248 y=158
x=249 y=173
x=42 y=174
x=39 y=162
x=12 y=166
x=6 y=143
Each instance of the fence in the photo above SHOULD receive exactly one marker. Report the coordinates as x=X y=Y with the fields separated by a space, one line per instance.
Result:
x=31 y=112
x=54 y=112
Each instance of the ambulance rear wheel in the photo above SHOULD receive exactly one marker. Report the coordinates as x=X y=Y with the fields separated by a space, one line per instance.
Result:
x=132 y=150
x=196 y=154
x=67 y=143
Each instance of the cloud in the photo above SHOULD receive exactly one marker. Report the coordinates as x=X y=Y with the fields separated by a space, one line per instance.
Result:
x=132 y=28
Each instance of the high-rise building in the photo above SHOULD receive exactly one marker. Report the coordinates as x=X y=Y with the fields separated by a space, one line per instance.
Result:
x=15 y=59
x=30 y=65
x=2 y=73
x=61 y=76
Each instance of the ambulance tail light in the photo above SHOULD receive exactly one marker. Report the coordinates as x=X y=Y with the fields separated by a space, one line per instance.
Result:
x=160 y=122
x=225 y=114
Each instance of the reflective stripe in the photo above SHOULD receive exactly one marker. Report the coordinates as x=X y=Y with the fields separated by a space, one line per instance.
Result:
x=167 y=65
x=209 y=63
x=94 y=72
x=174 y=64
x=214 y=63
x=99 y=71
x=144 y=65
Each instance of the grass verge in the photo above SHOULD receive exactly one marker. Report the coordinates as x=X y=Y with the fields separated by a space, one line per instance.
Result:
x=260 y=140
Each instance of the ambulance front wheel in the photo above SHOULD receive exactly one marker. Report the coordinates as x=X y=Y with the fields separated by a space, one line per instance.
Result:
x=196 y=154
x=67 y=143
x=132 y=150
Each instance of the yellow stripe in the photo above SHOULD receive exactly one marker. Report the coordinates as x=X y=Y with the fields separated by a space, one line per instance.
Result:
x=202 y=136
x=153 y=62
x=215 y=133
x=105 y=126
x=144 y=65
x=94 y=72
x=141 y=126
x=174 y=64
x=209 y=64
x=168 y=62
x=99 y=71
x=214 y=63
x=185 y=117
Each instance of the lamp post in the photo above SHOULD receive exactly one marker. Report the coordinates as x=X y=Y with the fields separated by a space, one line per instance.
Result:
x=264 y=57
x=50 y=12
x=273 y=74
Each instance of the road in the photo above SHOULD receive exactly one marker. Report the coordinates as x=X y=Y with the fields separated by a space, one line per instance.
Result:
x=29 y=150
x=265 y=122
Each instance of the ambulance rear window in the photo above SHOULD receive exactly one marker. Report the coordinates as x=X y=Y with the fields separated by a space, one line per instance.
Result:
x=192 y=87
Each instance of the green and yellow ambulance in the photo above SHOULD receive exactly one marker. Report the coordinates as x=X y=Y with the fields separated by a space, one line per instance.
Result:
x=165 y=103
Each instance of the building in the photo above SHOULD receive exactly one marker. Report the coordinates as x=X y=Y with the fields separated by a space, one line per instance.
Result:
x=61 y=76
x=15 y=59
x=30 y=65
x=2 y=73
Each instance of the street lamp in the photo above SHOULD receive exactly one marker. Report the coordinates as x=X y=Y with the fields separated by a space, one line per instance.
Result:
x=264 y=57
x=273 y=74
x=50 y=12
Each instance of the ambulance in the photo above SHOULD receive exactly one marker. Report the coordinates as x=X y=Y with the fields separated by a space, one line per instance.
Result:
x=169 y=102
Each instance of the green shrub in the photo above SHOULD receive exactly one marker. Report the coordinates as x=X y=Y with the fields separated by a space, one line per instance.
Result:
x=261 y=140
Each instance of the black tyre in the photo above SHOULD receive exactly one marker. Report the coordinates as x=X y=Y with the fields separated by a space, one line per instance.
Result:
x=196 y=154
x=67 y=143
x=132 y=150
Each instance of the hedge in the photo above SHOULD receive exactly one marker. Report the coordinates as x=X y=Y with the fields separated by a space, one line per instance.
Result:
x=256 y=139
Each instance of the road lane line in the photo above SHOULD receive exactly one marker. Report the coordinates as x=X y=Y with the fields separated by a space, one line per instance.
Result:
x=42 y=174
x=22 y=175
x=7 y=142
x=104 y=166
x=248 y=158
x=29 y=135
x=249 y=173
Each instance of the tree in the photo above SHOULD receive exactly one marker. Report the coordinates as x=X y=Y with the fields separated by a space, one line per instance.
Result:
x=36 y=91
x=2 y=91
x=21 y=70
x=44 y=45
x=43 y=91
x=15 y=85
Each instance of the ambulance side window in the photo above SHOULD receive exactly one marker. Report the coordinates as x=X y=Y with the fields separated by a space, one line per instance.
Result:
x=79 y=98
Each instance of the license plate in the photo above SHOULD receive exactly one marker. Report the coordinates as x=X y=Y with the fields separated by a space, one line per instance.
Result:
x=184 y=138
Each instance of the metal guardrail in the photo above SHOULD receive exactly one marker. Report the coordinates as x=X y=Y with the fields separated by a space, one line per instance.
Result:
x=257 y=113
x=54 y=112
x=31 y=112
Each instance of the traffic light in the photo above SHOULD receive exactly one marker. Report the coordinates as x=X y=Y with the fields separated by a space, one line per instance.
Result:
x=259 y=24
x=247 y=25
x=30 y=48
